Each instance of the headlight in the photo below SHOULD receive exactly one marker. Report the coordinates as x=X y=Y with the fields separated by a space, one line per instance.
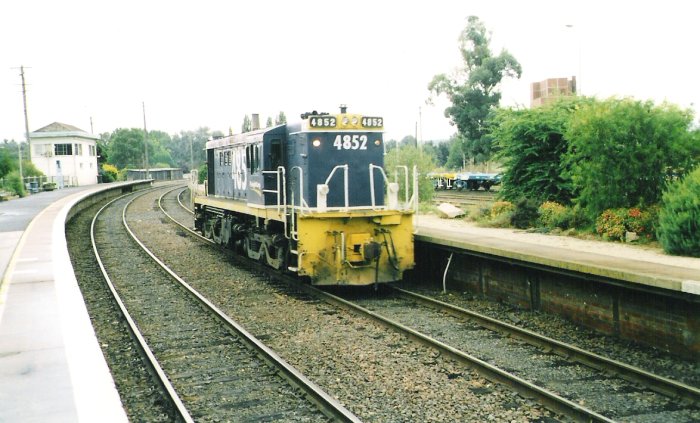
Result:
x=316 y=142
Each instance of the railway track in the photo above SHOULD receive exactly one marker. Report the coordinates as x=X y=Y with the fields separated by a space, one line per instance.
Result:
x=465 y=198
x=568 y=380
x=574 y=382
x=359 y=369
x=208 y=364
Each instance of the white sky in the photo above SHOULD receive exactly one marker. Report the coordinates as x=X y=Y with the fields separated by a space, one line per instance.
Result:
x=208 y=63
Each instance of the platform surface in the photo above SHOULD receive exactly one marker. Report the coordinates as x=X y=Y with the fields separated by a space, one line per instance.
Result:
x=629 y=263
x=51 y=366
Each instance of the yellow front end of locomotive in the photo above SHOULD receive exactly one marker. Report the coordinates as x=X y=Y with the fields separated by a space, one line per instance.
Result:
x=355 y=248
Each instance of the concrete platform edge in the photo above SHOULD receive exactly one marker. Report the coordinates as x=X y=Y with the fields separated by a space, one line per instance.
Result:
x=94 y=390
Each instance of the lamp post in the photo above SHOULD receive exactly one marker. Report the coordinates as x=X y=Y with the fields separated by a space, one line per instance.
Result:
x=579 y=77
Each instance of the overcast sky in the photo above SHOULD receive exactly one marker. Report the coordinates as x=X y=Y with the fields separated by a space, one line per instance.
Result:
x=208 y=63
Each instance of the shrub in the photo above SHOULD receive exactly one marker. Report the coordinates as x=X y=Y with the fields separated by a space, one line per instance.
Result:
x=614 y=223
x=679 y=217
x=14 y=183
x=525 y=214
x=202 y=176
x=554 y=215
x=110 y=173
x=611 y=224
x=500 y=207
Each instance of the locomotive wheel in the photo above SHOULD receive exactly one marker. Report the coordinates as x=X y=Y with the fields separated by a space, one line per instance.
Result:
x=207 y=229
x=216 y=227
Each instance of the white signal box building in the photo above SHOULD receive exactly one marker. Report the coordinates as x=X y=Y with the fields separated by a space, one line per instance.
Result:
x=67 y=155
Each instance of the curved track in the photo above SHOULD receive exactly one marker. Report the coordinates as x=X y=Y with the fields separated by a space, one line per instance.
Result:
x=601 y=389
x=219 y=370
x=574 y=382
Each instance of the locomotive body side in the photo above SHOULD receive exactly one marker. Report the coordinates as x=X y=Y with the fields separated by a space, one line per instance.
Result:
x=309 y=198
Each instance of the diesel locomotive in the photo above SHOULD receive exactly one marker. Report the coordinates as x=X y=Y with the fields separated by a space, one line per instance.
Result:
x=312 y=198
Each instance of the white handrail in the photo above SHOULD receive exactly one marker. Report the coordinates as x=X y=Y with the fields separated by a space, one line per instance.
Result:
x=371 y=182
x=405 y=168
x=345 y=181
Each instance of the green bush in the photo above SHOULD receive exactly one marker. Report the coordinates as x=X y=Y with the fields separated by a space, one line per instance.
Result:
x=500 y=207
x=14 y=183
x=611 y=224
x=525 y=214
x=614 y=223
x=109 y=172
x=498 y=216
x=679 y=217
x=554 y=215
x=202 y=175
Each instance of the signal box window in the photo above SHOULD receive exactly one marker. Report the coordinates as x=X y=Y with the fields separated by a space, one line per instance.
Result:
x=63 y=149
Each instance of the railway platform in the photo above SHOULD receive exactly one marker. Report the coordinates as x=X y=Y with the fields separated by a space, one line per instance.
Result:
x=51 y=366
x=636 y=293
x=645 y=267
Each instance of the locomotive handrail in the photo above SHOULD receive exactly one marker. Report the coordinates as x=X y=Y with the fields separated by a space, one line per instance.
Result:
x=396 y=177
x=281 y=186
x=345 y=182
x=372 y=166
x=302 y=203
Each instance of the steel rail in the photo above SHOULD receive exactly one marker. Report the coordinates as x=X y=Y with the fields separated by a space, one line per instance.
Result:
x=326 y=404
x=179 y=408
x=656 y=383
x=179 y=200
x=545 y=397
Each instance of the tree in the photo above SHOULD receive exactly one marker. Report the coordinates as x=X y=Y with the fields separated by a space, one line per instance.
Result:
x=410 y=156
x=247 y=125
x=268 y=124
x=126 y=148
x=408 y=140
x=8 y=163
x=622 y=152
x=532 y=150
x=281 y=119
x=158 y=149
x=473 y=90
x=181 y=144
x=456 y=156
x=437 y=150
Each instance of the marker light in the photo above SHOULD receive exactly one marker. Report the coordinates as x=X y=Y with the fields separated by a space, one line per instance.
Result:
x=354 y=121
x=377 y=142
x=316 y=142
x=345 y=121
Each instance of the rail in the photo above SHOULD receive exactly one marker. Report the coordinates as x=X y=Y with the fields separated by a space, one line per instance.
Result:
x=659 y=384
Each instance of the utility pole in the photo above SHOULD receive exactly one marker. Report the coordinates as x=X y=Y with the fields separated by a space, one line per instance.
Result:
x=145 y=137
x=191 y=155
x=26 y=124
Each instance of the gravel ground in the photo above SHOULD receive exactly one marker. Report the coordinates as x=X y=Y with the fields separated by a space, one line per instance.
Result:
x=605 y=394
x=136 y=386
x=378 y=374
x=650 y=359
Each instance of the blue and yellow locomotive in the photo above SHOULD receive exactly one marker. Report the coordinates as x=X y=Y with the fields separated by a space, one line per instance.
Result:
x=312 y=198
